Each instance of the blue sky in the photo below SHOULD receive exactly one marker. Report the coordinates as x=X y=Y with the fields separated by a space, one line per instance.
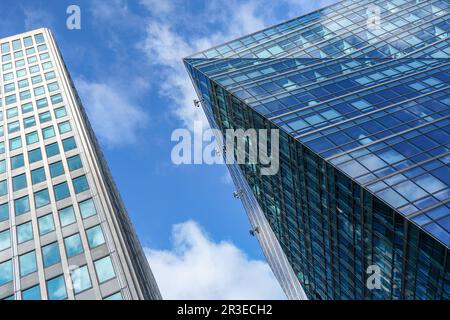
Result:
x=126 y=63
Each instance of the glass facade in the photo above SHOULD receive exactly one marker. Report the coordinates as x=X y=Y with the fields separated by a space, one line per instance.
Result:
x=64 y=232
x=359 y=91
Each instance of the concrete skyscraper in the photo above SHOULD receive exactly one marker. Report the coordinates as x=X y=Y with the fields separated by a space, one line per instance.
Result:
x=360 y=93
x=64 y=231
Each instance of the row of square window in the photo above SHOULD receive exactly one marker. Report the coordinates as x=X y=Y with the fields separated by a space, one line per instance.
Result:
x=19 y=56
x=33 y=70
x=32 y=62
x=43 y=102
x=56 y=287
x=28 y=107
x=38 y=91
x=32 y=137
x=38 y=175
x=31 y=121
x=18 y=44
x=23 y=83
x=46 y=225
x=42 y=197
x=36 y=154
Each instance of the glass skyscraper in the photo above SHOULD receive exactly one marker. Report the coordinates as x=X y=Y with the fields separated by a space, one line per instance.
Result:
x=64 y=231
x=360 y=93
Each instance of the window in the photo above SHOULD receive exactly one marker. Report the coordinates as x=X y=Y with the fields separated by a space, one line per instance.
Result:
x=80 y=184
x=34 y=69
x=17 y=45
x=39 y=38
x=20 y=63
x=30 y=51
x=12 y=112
x=25 y=95
x=6 y=274
x=32 y=59
x=8 y=76
x=24 y=232
x=73 y=245
x=27 y=107
x=3 y=188
x=15 y=143
x=9 y=87
x=95 y=236
x=13 y=127
x=69 y=144
x=45 y=65
x=6 y=57
x=4 y=212
x=57 y=98
x=18 y=54
x=87 y=208
x=66 y=216
x=2 y=147
x=49 y=75
x=104 y=269
x=60 y=112
x=61 y=191
x=5 y=47
x=80 y=279
x=74 y=163
x=39 y=91
x=32 y=137
x=19 y=182
x=2 y=166
x=115 y=296
x=21 y=205
x=28 y=42
x=10 y=99
x=5 y=240
x=64 y=127
x=52 y=150
x=34 y=155
x=45 y=116
x=36 y=79
x=56 y=288
x=51 y=254
x=33 y=293
x=27 y=263
x=41 y=198
x=17 y=162
x=38 y=176
x=48 y=132
x=29 y=122
x=56 y=169
x=23 y=83
x=7 y=66
x=46 y=224
x=42 y=103
x=21 y=73
x=53 y=86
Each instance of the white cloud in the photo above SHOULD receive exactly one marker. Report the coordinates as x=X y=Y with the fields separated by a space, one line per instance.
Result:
x=216 y=23
x=199 y=268
x=165 y=47
x=226 y=178
x=158 y=6
x=115 y=119
x=37 y=18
